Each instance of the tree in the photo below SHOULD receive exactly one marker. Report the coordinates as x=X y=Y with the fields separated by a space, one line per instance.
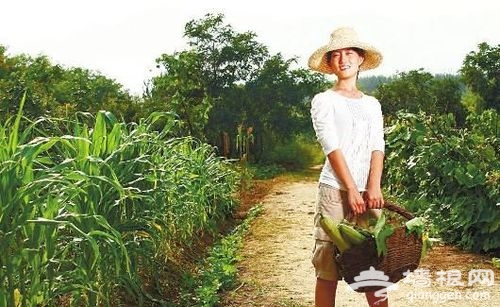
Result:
x=410 y=91
x=227 y=80
x=448 y=91
x=83 y=90
x=227 y=57
x=196 y=83
x=57 y=91
x=419 y=91
x=281 y=96
x=275 y=103
x=481 y=73
x=181 y=89
x=370 y=84
x=36 y=77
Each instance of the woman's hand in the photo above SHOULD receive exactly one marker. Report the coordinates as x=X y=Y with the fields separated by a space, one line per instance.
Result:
x=356 y=202
x=373 y=198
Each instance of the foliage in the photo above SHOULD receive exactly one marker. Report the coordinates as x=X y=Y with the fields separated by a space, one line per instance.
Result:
x=298 y=153
x=180 y=89
x=194 y=81
x=410 y=92
x=279 y=98
x=448 y=92
x=53 y=90
x=83 y=214
x=370 y=84
x=481 y=72
x=450 y=174
x=418 y=91
x=381 y=232
x=218 y=270
x=228 y=79
x=267 y=171
x=472 y=102
x=227 y=57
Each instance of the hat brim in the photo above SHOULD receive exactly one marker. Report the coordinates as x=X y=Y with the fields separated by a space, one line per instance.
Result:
x=318 y=61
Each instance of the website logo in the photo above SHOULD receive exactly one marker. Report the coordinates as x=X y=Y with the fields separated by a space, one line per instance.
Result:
x=374 y=278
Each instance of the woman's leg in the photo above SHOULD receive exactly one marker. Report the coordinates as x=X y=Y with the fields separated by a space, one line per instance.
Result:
x=324 y=295
x=330 y=202
x=375 y=301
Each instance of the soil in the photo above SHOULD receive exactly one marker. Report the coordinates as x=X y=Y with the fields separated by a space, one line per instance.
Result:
x=275 y=269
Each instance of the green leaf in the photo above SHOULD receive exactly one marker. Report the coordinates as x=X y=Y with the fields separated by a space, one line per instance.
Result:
x=496 y=262
x=381 y=232
x=416 y=225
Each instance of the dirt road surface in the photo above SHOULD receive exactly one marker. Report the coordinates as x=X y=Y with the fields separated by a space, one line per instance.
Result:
x=276 y=270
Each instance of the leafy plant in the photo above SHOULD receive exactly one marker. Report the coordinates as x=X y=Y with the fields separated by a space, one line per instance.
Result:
x=82 y=214
x=448 y=174
x=218 y=270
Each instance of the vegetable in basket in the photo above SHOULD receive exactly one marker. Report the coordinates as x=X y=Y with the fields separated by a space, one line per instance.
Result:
x=332 y=230
x=417 y=226
x=344 y=236
x=352 y=235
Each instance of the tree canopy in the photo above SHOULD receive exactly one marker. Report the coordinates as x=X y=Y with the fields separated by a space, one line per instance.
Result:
x=481 y=72
x=56 y=90
x=227 y=79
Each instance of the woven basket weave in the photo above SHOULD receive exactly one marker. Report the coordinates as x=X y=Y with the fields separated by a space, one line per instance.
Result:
x=403 y=254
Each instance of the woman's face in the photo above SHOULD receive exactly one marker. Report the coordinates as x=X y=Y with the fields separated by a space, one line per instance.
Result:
x=345 y=62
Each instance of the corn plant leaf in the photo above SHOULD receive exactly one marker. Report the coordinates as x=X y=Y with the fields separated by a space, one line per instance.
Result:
x=381 y=232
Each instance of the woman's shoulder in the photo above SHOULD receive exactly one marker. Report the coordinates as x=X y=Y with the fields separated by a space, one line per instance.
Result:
x=371 y=99
x=326 y=95
x=324 y=99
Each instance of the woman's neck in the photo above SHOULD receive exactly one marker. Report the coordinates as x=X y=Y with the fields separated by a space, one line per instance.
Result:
x=347 y=89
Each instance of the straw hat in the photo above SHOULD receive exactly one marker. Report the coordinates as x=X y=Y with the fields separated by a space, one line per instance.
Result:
x=344 y=38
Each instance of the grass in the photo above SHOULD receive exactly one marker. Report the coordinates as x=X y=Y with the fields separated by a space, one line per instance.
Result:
x=217 y=272
x=308 y=174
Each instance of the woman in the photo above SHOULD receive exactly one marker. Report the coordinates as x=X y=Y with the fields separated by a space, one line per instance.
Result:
x=349 y=127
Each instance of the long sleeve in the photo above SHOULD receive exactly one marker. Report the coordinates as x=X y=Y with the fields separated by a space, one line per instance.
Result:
x=323 y=120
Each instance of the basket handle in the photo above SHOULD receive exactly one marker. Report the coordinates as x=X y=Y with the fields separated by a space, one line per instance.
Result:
x=401 y=211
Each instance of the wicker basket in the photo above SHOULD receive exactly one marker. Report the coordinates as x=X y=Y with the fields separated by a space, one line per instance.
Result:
x=403 y=254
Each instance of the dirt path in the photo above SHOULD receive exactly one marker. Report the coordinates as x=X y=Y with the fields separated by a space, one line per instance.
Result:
x=275 y=269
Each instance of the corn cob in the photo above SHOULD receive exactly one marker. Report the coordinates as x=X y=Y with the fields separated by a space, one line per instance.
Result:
x=331 y=228
x=350 y=234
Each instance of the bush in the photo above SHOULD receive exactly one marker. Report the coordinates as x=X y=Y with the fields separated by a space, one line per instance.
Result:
x=449 y=174
x=299 y=153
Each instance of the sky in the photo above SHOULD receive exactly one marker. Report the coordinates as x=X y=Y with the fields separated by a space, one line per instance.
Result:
x=121 y=39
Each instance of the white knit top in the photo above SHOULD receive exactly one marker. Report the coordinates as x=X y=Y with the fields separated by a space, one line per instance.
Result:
x=353 y=125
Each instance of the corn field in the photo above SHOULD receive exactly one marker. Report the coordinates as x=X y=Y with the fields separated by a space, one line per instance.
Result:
x=86 y=203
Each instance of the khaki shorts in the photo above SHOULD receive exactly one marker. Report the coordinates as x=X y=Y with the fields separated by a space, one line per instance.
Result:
x=324 y=261
x=331 y=202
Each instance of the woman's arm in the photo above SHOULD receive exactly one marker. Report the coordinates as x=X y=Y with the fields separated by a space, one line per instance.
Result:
x=337 y=161
x=373 y=194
